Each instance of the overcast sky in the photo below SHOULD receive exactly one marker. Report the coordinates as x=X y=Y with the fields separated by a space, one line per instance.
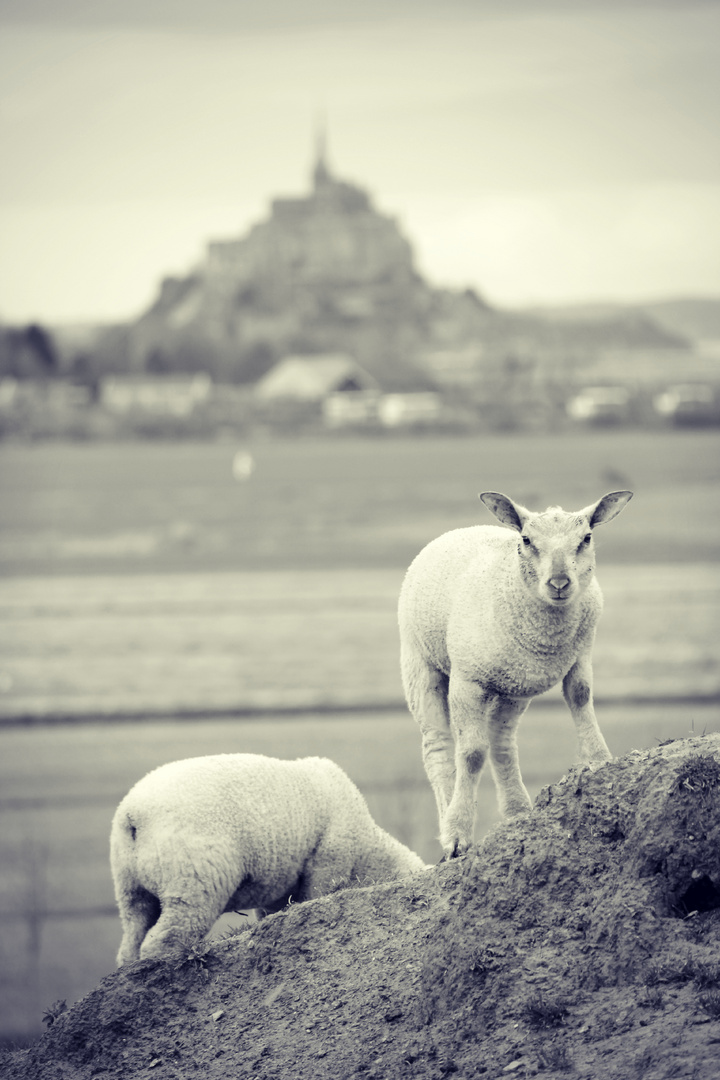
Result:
x=539 y=151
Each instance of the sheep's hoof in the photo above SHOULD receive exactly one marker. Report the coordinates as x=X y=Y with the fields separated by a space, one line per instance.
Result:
x=458 y=851
x=452 y=858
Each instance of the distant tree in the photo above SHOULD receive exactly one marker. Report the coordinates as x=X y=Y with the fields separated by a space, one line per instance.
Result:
x=42 y=346
x=28 y=353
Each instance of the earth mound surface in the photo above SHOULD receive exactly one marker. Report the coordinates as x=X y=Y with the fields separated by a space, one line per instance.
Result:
x=581 y=940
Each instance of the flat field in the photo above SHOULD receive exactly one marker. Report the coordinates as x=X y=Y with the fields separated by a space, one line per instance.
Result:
x=100 y=508
x=143 y=578
x=235 y=642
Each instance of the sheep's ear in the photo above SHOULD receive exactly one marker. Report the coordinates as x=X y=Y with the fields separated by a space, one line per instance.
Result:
x=504 y=509
x=607 y=508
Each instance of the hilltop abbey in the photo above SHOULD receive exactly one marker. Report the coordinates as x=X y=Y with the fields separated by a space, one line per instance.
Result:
x=333 y=238
x=323 y=272
x=328 y=273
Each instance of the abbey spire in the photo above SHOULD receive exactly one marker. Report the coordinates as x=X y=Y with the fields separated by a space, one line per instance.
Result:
x=321 y=173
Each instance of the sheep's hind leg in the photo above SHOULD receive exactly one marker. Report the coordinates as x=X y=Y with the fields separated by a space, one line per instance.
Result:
x=426 y=690
x=139 y=911
x=468 y=706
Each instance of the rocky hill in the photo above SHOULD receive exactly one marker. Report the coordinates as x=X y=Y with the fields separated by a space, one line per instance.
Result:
x=694 y=320
x=322 y=273
x=581 y=940
x=328 y=272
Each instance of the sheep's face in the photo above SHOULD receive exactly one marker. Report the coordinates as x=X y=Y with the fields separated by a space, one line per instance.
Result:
x=556 y=555
x=556 y=552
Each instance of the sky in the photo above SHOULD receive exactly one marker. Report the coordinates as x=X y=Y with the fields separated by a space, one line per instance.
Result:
x=540 y=151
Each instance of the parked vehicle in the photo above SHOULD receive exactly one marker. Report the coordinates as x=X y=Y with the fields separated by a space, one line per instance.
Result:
x=689 y=405
x=600 y=405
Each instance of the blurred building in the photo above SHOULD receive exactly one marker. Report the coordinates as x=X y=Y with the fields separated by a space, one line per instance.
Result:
x=327 y=275
x=314 y=378
x=173 y=396
x=330 y=387
x=410 y=410
x=323 y=273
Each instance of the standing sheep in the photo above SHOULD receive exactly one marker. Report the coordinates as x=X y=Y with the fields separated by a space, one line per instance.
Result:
x=488 y=622
x=227 y=832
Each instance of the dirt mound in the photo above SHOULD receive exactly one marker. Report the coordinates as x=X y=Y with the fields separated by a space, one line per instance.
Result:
x=581 y=940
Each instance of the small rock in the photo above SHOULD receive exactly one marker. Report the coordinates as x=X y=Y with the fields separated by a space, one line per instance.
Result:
x=218 y=1015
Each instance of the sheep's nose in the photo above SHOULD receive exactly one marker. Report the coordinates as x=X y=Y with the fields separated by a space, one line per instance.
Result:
x=559 y=583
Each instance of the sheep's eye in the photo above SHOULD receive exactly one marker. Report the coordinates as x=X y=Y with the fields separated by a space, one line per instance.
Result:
x=525 y=540
x=587 y=538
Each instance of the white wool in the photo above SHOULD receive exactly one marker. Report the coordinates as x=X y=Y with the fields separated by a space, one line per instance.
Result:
x=465 y=593
x=228 y=832
x=489 y=620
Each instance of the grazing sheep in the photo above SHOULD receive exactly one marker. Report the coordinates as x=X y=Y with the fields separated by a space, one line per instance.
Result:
x=227 y=832
x=487 y=622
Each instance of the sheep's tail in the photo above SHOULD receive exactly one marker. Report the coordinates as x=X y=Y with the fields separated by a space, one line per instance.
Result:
x=123 y=860
x=123 y=845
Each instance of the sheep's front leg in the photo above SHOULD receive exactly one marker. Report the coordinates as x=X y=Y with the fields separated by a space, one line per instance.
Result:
x=578 y=693
x=183 y=922
x=505 y=715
